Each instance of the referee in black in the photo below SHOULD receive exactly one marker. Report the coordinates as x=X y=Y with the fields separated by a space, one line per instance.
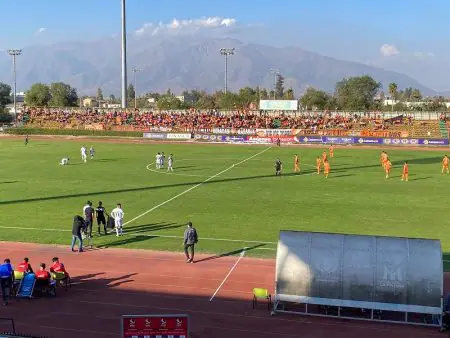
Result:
x=101 y=219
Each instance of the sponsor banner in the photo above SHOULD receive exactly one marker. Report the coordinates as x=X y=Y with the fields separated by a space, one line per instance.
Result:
x=384 y=134
x=338 y=140
x=434 y=142
x=155 y=136
x=234 y=139
x=271 y=139
x=94 y=126
x=155 y=326
x=308 y=139
x=184 y=136
x=278 y=105
x=231 y=131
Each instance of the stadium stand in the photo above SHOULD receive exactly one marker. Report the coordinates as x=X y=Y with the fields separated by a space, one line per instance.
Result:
x=313 y=122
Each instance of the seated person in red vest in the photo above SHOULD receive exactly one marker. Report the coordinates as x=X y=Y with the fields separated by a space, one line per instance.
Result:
x=43 y=279
x=57 y=266
x=25 y=266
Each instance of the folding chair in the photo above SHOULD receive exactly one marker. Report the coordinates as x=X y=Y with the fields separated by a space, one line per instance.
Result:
x=18 y=276
x=61 y=279
x=259 y=293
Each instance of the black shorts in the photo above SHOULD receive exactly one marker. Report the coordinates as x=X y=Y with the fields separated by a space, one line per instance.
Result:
x=101 y=220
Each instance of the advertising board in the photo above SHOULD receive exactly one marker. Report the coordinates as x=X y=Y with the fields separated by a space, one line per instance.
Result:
x=278 y=105
x=181 y=136
x=153 y=326
x=155 y=136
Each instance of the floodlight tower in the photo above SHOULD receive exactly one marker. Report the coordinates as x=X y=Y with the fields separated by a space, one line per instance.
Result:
x=124 y=57
x=135 y=70
x=275 y=73
x=226 y=52
x=14 y=53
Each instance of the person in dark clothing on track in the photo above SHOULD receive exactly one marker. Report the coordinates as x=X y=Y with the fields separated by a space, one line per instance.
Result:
x=101 y=219
x=6 y=279
x=190 y=239
x=77 y=228
x=89 y=215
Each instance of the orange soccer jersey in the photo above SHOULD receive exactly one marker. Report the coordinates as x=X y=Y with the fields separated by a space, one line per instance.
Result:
x=296 y=166
x=318 y=164
x=405 y=172
x=387 y=167
x=331 y=151
x=326 y=168
x=445 y=162
x=324 y=156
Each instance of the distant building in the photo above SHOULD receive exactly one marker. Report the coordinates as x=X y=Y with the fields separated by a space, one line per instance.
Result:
x=409 y=104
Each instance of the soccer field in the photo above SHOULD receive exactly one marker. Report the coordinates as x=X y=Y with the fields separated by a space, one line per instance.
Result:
x=230 y=193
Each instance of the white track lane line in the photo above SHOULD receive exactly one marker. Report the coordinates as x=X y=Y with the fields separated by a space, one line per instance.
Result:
x=195 y=186
x=228 y=275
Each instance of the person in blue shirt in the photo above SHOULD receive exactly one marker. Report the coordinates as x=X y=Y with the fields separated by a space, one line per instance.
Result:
x=6 y=279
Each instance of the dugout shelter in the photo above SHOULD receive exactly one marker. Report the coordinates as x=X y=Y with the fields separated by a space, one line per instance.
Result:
x=359 y=277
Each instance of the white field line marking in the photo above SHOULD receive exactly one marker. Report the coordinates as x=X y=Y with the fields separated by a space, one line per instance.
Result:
x=228 y=275
x=196 y=186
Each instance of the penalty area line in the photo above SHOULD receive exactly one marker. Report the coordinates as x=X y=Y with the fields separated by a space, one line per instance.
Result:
x=228 y=275
x=195 y=186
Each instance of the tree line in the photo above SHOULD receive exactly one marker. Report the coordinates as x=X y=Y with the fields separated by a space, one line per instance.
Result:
x=361 y=93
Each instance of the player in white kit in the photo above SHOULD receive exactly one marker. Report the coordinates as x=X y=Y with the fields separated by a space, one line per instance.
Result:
x=118 y=214
x=83 y=154
x=170 y=163
x=158 y=161
x=64 y=161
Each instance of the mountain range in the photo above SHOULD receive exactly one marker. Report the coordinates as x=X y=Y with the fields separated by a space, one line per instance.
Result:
x=185 y=62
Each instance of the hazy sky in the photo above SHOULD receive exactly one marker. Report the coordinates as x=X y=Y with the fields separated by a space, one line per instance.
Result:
x=408 y=36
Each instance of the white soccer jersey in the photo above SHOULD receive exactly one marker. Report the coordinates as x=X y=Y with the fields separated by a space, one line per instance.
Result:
x=64 y=161
x=117 y=214
x=170 y=161
x=83 y=151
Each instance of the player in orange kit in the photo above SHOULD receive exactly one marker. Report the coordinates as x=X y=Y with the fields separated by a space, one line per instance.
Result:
x=318 y=164
x=387 y=167
x=445 y=161
x=384 y=159
x=331 y=150
x=326 y=168
x=296 y=164
x=324 y=156
x=405 y=171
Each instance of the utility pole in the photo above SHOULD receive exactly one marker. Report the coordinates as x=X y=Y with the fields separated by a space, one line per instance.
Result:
x=135 y=70
x=275 y=73
x=124 y=57
x=14 y=53
x=226 y=52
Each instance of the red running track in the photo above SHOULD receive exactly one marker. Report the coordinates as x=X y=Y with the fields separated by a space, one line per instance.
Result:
x=109 y=283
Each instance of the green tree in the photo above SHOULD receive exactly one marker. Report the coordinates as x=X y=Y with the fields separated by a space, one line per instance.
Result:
x=112 y=98
x=99 y=94
x=5 y=117
x=166 y=102
x=393 y=92
x=416 y=95
x=5 y=94
x=63 y=95
x=316 y=99
x=279 y=86
x=263 y=94
x=131 y=93
x=289 y=94
x=38 y=95
x=356 y=93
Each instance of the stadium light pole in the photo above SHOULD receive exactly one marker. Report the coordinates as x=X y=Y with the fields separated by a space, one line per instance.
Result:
x=275 y=73
x=14 y=53
x=124 y=57
x=135 y=70
x=226 y=52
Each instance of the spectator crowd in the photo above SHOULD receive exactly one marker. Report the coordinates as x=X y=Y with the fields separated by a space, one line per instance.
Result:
x=201 y=120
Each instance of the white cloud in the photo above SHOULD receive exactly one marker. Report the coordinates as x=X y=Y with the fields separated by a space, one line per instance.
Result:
x=40 y=31
x=423 y=55
x=186 y=26
x=389 y=50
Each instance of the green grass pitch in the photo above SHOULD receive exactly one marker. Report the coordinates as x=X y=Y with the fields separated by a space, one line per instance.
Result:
x=243 y=206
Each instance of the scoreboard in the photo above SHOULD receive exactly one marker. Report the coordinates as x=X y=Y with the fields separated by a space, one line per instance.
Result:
x=155 y=326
